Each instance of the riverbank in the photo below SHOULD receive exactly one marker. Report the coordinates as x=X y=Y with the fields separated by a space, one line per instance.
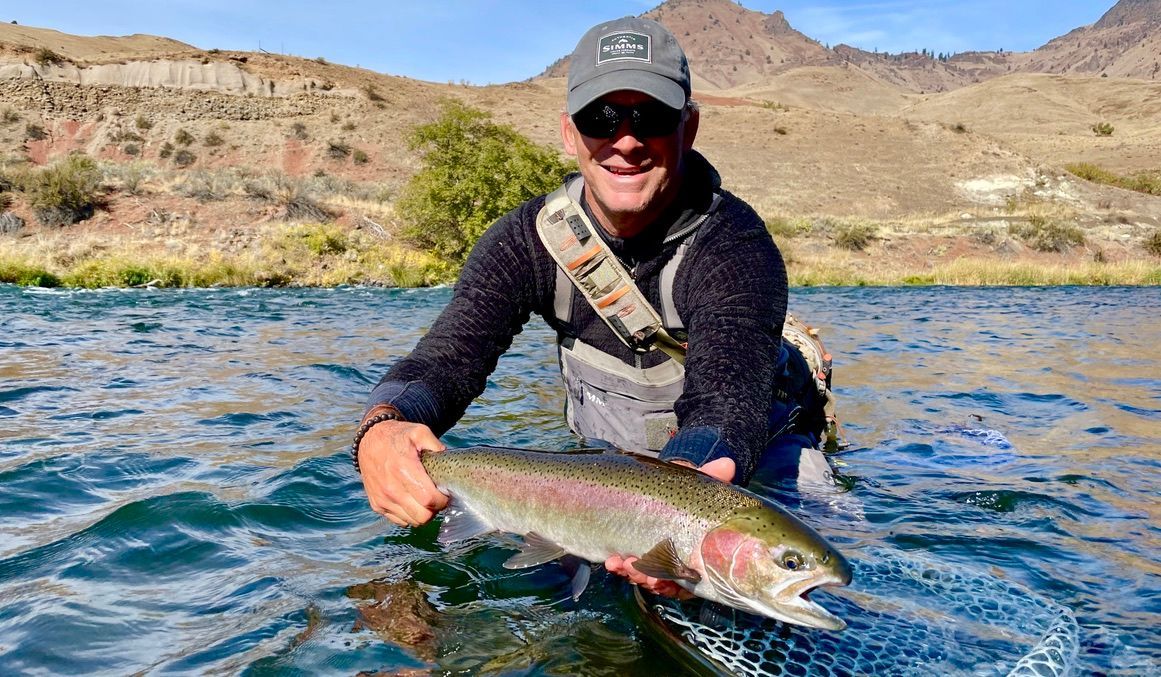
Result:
x=151 y=226
x=281 y=254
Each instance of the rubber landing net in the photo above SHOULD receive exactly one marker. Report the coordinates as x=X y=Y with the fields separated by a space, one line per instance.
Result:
x=905 y=615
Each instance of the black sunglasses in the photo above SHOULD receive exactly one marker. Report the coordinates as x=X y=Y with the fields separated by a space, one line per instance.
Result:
x=648 y=119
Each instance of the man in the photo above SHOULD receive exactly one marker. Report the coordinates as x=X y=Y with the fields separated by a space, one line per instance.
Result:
x=694 y=251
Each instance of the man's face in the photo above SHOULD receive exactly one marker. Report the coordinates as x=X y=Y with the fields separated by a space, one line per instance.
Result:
x=629 y=181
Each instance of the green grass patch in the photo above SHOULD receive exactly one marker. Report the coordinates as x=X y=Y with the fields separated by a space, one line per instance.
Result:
x=1148 y=182
x=784 y=227
x=26 y=274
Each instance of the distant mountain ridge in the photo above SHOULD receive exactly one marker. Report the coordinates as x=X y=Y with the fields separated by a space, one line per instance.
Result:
x=730 y=46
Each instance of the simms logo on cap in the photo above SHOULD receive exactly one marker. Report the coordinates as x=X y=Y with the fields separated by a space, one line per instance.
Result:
x=624 y=45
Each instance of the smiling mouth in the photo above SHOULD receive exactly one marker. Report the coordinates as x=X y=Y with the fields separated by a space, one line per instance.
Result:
x=625 y=171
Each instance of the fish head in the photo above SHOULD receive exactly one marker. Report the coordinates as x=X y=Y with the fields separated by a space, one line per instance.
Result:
x=766 y=561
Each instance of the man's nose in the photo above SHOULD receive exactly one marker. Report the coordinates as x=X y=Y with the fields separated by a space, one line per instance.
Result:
x=623 y=138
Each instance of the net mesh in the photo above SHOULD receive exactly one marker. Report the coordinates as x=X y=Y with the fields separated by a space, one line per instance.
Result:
x=905 y=615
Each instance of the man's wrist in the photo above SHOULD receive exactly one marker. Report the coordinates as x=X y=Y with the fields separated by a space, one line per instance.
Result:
x=374 y=416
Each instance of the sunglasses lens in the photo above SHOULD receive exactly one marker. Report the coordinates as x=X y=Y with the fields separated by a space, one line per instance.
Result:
x=650 y=119
x=597 y=120
x=654 y=118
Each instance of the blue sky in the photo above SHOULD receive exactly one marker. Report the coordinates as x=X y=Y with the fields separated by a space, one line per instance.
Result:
x=491 y=41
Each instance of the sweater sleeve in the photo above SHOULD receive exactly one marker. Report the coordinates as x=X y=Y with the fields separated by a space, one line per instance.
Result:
x=734 y=297
x=494 y=297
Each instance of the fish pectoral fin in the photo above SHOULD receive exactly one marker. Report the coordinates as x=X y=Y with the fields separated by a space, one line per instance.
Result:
x=460 y=524
x=580 y=570
x=662 y=561
x=535 y=550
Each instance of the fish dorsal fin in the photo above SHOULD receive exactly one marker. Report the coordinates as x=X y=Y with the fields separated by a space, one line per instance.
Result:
x=460 y=524
x=535 y=550
x=662 y=561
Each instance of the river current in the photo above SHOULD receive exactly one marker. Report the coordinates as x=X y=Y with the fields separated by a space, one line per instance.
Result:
x=176 y=493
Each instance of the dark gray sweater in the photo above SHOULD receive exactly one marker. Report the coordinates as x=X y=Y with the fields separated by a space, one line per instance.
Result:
x=730 y=291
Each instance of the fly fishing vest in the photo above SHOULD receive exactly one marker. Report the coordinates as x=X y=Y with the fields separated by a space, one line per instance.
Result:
x=631 y=407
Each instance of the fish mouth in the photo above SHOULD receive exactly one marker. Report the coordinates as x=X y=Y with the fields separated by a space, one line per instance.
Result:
x=792 y=604
x=788 y=602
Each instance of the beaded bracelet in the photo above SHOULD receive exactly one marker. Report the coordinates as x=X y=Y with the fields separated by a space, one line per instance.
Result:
x=389 y=415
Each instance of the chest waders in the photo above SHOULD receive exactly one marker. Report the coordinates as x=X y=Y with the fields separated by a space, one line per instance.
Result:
x=628 y=406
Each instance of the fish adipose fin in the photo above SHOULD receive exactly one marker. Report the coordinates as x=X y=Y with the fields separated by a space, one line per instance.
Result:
x=460 y=524
x=663 y=562
x=536 y=550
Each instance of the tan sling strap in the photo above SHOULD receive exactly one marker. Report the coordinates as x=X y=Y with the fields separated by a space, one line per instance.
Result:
x=585 y=258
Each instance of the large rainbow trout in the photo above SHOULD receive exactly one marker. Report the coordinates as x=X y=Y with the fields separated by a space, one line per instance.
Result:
x=720 y=542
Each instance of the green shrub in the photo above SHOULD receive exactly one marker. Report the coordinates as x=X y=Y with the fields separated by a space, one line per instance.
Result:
x=9 y=116
x=338 y=150
x=298 y=129
x=143 y=123
x=373 y=94
x=213 y=140
x=474 y=171
x=132 y=149
x=348 y=126
x=298 y=201
x=125 y=135
x=184 y=158
x=45 y=57
x=360 y=156
x=34 y=132
x=65 y=192
x=183 y=138
x=1152 y=243
x=855 y=236
x=1102 y=129
x=165 y=151
x=1046 y=235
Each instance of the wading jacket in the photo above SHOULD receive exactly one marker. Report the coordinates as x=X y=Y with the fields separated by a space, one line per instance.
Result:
x=729 y=290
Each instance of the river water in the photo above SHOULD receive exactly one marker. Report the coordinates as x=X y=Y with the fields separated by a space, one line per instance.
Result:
x=176 y=493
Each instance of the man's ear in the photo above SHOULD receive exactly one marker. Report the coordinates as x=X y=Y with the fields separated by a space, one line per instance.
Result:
x=689 y=132
x=567 y=133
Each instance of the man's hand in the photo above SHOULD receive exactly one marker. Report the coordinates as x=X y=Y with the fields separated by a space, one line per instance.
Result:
x=721 y=469
x=397 y=485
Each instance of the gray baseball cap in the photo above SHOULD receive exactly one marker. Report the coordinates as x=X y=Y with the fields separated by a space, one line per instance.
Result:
x=631 y=53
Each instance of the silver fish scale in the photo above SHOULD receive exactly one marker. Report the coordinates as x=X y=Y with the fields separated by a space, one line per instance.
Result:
x=906 y=616
x=703 y=498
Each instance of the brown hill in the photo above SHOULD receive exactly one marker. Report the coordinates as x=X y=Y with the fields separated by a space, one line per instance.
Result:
x=25 y=39
x=1050 y=117
x=1125 y=42
x=729 y=45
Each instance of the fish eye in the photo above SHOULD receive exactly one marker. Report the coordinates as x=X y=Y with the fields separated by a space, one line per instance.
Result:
x=791 y=560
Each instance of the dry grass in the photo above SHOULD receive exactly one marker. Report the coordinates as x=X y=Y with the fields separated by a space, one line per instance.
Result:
x=323 y=255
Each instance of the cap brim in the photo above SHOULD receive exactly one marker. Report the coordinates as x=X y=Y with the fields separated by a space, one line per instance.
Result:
x=657 y=86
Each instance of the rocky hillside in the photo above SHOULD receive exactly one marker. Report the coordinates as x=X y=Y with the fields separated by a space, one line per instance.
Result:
x=799 y=130
x=732 y=47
